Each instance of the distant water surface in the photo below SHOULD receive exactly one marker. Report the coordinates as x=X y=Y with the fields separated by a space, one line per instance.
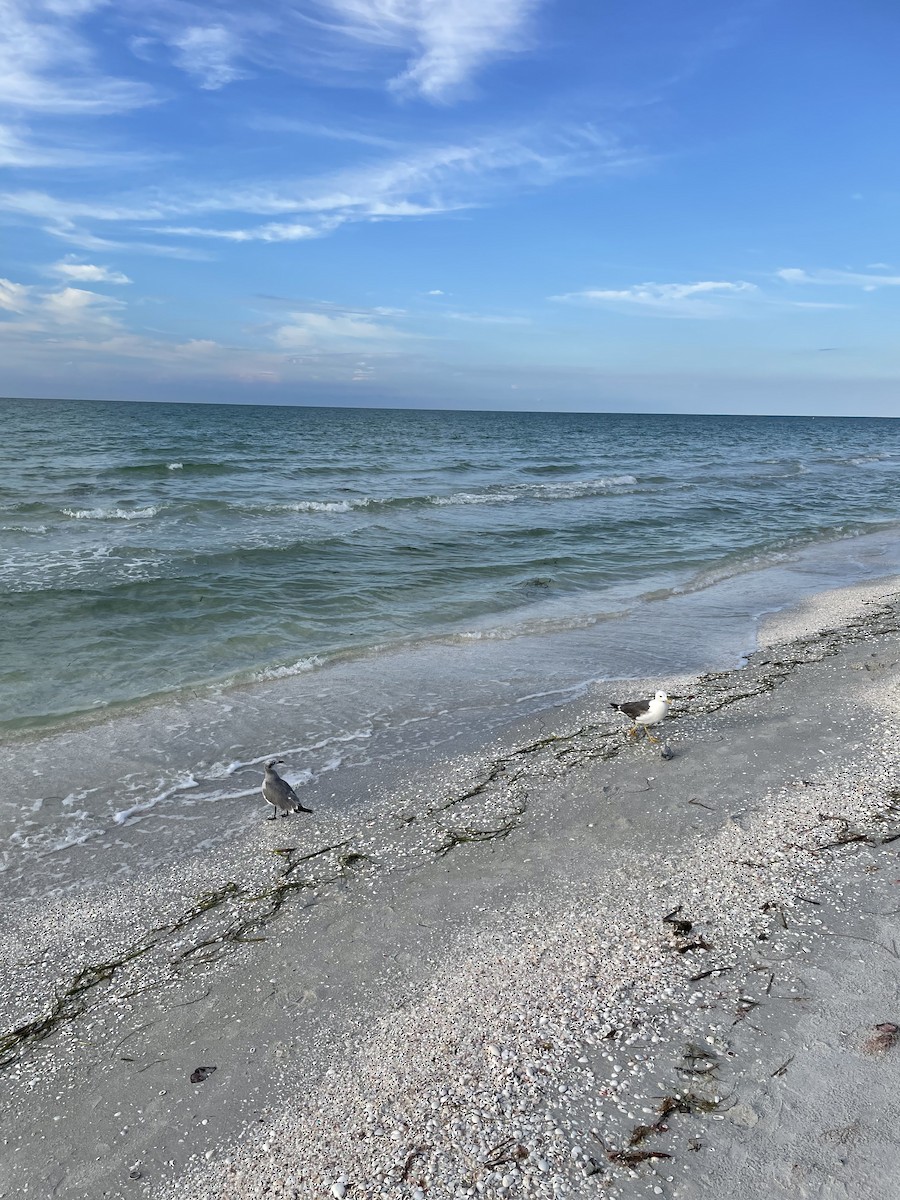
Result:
x=152 y=548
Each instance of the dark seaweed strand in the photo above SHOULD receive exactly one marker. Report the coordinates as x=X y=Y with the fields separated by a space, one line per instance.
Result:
x=67 y=1005
x=78 y=996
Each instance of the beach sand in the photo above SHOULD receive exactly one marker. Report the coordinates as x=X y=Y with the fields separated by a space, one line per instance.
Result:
x=469 y=986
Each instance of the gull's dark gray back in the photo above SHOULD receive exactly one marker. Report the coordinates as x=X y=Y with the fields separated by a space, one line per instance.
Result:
x=633 y=708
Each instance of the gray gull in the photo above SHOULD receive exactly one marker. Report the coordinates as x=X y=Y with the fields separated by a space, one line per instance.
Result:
x=279 y=793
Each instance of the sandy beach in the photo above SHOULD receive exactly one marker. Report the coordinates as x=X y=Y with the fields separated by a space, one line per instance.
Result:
x=559 y=966
x=414 y=396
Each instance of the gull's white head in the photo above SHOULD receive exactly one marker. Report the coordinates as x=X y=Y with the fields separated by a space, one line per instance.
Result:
x=661 y=696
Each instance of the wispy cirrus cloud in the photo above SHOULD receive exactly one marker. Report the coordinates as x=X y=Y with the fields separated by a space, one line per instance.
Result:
x=47 y=65
x=700 y=299
x=275 y=123
x=209 y=53
x=274 y=231
x=486 y=318
x=25 y=148
x=425 y=181
x=815 y=304
x=49 y=74
x=445 y=41
x=867 y=280
x=426 y=48
x=66 y=219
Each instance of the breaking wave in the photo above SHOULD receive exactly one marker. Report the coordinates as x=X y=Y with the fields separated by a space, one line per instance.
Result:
x=112 y=514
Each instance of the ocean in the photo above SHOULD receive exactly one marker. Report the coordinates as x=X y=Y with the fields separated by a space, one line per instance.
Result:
x=187 y=589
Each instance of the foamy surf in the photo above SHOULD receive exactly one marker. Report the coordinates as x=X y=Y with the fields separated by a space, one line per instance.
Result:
x=574 y=490
x=112 y=514
x=126 y=815
x=300 y=667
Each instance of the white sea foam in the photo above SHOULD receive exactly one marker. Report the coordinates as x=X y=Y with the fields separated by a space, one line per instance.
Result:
x=57 y=569
x=300 y=667
x=497 y=633
x=48 y=835
x=358 y=735
x=23 y=528
x=125 y=815
x=575 y=689
x=175 y=467
x=475 y=498
x=865 y=460
x=112 y=514
x=571 y=490
x=318 y=506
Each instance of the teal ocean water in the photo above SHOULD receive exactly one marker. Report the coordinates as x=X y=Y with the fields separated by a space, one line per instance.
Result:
x=151 y=548
x=202 y=585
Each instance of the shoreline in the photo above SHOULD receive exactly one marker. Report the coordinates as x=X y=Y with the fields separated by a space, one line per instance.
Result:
x=468 y=945
x=133 y=792
x=582 y=616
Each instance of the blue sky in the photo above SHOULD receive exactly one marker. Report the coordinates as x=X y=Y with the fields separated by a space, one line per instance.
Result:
x=567 y=204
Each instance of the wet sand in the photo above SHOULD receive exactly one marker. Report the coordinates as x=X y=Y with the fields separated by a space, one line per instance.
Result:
x=470 y=988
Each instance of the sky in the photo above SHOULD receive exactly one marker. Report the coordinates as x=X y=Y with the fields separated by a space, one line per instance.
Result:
x=523 y=204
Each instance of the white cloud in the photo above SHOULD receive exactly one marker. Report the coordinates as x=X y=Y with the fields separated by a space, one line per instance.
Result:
x=313 y=328
x=80 y=328
x=65 y=306
x=47 y=66
x=868 y=283
x=87 y=272
x=46 y=207
x=75 y=306
x=435 y=292
x=208 y=53
x=447 y=41
x=316 y=129
x=430 y=48
x=24 y=148
x=424 y=182
x=14 y=297
x=815 y=304
x=272 y=232
x=59 y=217
x=65 y=312
x=486 y=318
x=667 y=299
